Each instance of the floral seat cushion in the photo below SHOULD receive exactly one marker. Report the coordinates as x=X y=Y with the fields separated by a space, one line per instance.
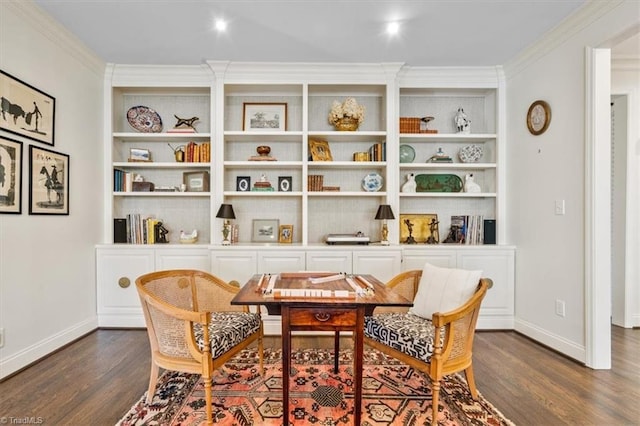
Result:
x=227 y=329
x=407 y=333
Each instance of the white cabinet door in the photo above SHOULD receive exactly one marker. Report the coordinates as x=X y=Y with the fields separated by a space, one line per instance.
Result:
x=273 y=262
x=183 y=258
x=497 y=309
x=415 y=259
x=117 y=270
x=329 y=260
x=234 y=265
x=382 y=264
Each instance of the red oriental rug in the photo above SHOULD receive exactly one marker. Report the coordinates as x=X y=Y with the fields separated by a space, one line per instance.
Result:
x=393 y=394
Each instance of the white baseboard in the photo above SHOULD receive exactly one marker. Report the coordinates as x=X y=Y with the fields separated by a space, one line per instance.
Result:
x=559 y=343
x=21 y=359
x=121 y=320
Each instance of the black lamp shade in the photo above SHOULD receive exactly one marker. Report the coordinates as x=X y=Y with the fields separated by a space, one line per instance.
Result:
x=226 y=212
x=384 y=212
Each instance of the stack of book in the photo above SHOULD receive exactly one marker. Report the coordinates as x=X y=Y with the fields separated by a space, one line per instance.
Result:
x=378 y=152
x=409 y=124
x=314 y=182
x=198 y=153
x=141 y=230
x=469 y=229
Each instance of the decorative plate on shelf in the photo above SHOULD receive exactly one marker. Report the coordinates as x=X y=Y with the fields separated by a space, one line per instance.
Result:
x=438 y=183
x=144 y=119
x=407 y=154
x=470 y=153
x=372 y=182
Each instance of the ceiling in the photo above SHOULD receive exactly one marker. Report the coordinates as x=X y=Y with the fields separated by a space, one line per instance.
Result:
x=432 y=32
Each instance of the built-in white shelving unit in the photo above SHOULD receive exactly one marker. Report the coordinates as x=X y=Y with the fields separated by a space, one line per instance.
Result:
x=216 y=93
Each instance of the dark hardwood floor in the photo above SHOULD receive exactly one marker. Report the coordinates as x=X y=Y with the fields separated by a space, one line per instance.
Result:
x=95 y=380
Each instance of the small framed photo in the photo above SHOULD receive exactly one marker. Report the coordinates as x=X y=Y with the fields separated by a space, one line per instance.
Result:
x=285 y=235
x=319 y=150
x=26 y=111
x=48 y=182
x=284 y=183
x=243 y=183
x=264 y=116
x=265 y=230
x=10 y=176
x=138 y=154
x=196 y=181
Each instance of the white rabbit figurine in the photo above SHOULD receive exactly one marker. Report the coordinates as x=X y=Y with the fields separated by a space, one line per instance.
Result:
x=470 y=185
x=410 y=184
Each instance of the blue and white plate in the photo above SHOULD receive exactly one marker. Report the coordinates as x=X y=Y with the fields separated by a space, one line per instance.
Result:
x=372 y=182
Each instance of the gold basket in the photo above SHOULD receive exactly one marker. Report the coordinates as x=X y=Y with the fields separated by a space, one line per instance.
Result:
x=347 y=124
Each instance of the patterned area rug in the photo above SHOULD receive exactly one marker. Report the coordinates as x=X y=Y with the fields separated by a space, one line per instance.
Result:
x=393 y=394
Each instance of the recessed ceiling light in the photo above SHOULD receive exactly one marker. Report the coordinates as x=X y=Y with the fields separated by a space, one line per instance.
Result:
x=393 y=28
x=221 y=25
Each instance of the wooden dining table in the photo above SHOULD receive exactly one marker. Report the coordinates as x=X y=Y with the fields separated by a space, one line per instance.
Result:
x=314 y=301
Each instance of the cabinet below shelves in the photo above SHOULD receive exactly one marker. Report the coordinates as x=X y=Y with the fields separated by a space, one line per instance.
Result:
x=119 y=266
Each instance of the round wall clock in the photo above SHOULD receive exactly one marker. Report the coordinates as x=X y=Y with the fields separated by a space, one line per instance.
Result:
x=538 y=117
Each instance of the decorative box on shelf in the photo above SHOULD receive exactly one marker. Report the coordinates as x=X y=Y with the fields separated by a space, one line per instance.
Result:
x=142 y=186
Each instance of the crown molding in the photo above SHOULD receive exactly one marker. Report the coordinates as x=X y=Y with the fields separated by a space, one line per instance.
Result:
x=625 y=63
x=56 y=32
x=132 y=75
x=573 y=24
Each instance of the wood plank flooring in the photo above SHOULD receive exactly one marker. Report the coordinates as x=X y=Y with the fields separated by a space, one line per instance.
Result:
x=95 y=380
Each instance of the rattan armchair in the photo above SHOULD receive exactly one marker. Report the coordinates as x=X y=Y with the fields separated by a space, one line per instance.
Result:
x=437 y=347
x=192 y=326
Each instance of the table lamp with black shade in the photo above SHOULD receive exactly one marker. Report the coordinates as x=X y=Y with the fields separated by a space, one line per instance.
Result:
x=384 y=213
x=226 y=212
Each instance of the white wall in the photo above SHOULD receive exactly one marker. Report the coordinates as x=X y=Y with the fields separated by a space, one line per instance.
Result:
x=625 y=80
x=542 y=169
x=47 y=263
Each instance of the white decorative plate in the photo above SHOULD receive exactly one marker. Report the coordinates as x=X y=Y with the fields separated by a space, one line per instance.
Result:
x=470 y=153
x=144 y=119
x=372 y=182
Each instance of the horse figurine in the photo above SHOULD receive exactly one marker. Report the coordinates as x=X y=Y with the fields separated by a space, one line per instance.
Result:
x=52 y=183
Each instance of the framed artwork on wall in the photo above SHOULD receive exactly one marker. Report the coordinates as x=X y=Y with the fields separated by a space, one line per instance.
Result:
x=10 y=176
x=264 y=116
x=26 y=111
x=48 y=182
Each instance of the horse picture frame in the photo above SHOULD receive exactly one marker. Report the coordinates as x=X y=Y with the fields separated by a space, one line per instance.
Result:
x=48 y=182
x=26 y=111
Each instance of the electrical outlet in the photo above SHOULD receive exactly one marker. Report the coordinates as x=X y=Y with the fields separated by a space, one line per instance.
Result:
x=560 y=207
x=560 y=308
x=1 y=337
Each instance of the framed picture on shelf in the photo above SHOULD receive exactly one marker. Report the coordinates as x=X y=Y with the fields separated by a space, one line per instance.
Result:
x=139 y=154
x=265 y=230
x=196 y=181
x=48 y=182
x=10 y=176
x=284 y=183
x=26 y=111
x=319 y=150
x=285 y=234
x=264 y=116
x=243 y=183
x=419 y=229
